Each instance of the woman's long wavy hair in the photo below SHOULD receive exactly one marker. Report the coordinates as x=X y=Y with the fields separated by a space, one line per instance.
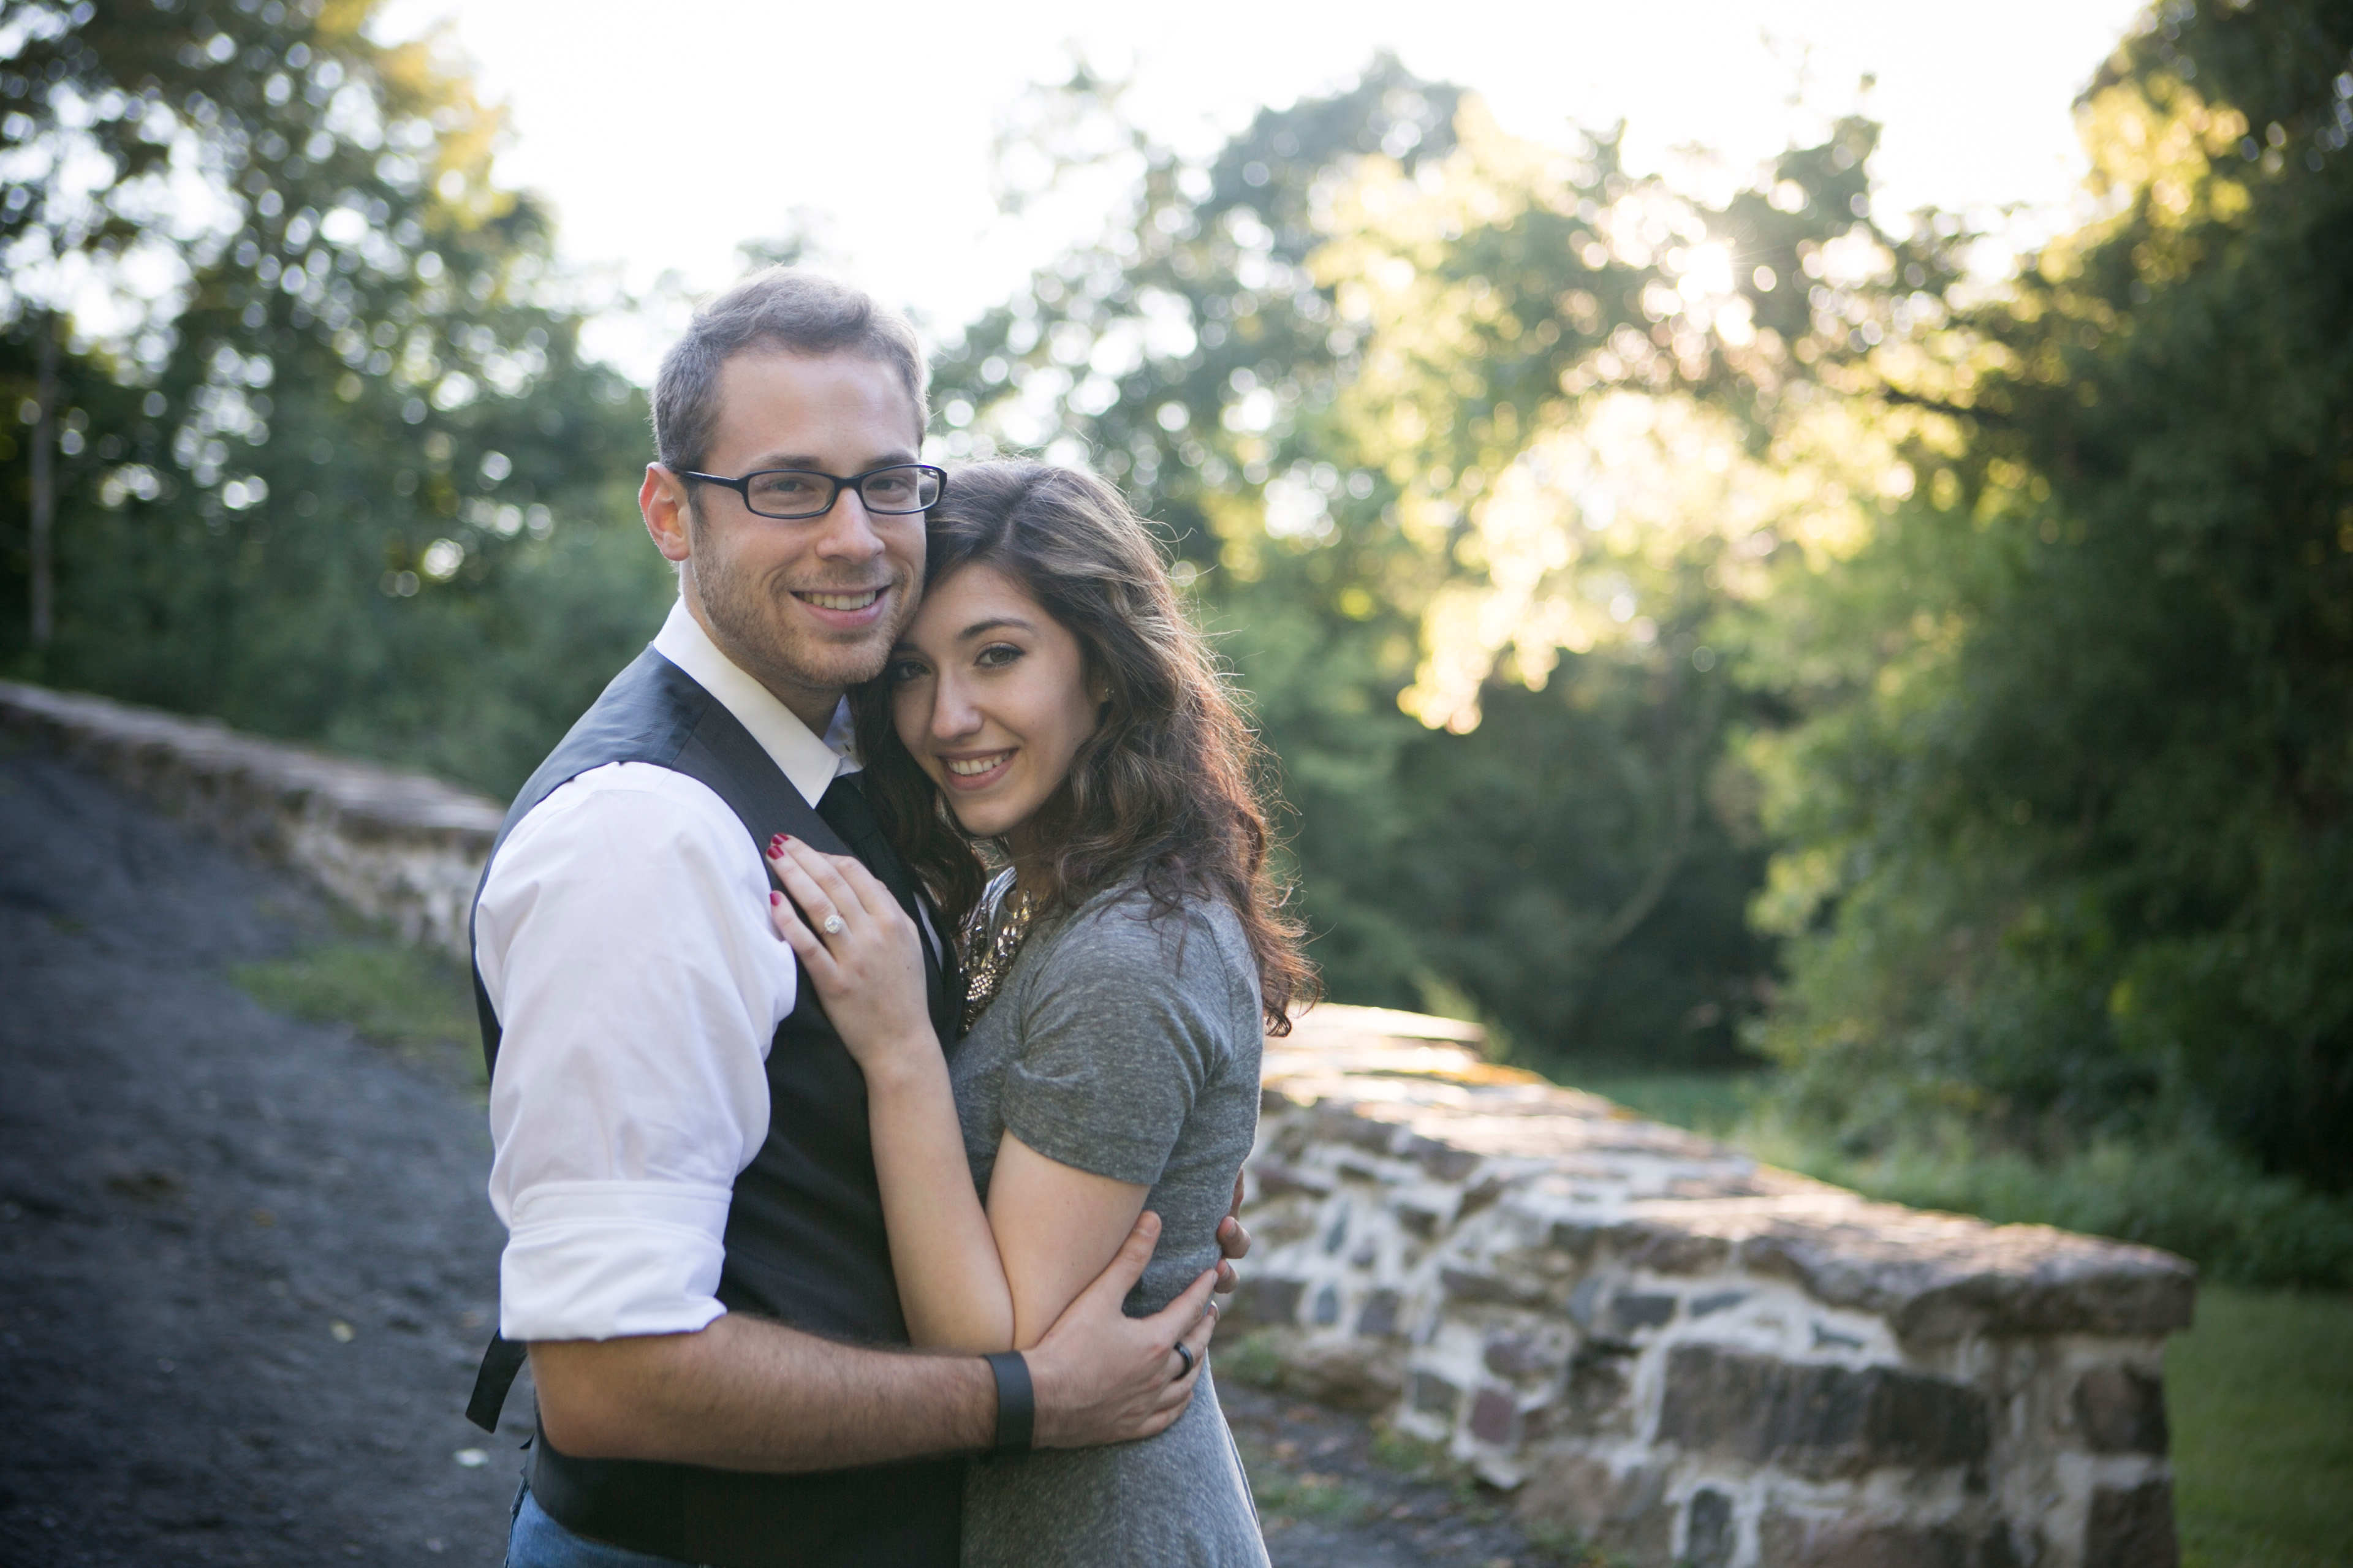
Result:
x=1168 y=789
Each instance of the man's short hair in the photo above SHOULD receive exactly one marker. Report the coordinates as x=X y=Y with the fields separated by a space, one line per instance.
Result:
x=798 y=313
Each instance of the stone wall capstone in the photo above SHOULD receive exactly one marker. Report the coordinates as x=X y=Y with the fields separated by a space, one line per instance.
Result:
x=395 y=847
x=1661 y=1348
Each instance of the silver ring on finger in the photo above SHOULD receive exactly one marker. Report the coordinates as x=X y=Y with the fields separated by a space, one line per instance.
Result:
x=1187 y=1355
x=831 y=925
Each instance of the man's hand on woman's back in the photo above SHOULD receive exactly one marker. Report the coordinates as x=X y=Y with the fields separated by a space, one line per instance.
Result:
x=1233 y=1241
x=1102 y=1376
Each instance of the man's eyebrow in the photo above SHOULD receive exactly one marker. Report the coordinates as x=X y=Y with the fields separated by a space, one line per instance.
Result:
x=891 y=458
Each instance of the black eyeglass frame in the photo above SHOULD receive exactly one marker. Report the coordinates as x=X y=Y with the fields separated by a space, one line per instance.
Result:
x=743 y=486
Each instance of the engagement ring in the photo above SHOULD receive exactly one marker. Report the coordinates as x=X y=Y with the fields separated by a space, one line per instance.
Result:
x=832 y=926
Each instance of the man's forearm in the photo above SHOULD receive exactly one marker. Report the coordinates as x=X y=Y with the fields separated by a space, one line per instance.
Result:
x=747 y=1394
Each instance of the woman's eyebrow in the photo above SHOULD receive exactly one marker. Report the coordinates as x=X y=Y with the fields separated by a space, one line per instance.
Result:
x=994 y=623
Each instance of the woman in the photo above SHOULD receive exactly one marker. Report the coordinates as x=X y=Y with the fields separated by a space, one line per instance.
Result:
x=1049 y=698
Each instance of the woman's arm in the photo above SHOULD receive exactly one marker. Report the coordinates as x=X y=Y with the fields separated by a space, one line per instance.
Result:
x=970 y=1280
x=1056 y=1225
x=967 y=1280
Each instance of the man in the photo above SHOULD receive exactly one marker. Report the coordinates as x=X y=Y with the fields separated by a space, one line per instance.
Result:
x=696 y=1257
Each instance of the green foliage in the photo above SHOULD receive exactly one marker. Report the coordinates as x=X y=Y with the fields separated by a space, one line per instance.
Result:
x=2066 y=844
x=2260 y=1398
x=356 y=484
x=1679 y=623
x=1561 y=864
x=1134 y=352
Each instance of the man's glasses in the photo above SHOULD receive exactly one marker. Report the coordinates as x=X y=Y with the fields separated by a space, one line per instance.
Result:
x=889 y=491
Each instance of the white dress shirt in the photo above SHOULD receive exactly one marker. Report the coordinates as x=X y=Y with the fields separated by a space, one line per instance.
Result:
x=623 y=937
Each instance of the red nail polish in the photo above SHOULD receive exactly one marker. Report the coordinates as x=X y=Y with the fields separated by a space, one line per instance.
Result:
x=776 y=898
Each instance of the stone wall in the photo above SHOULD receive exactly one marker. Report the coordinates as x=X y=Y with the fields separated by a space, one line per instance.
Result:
x=1680 y=1356
x=1661 y=1348
x=395 y=847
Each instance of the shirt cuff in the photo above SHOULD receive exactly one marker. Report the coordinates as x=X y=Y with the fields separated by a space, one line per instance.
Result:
x=598 y=1260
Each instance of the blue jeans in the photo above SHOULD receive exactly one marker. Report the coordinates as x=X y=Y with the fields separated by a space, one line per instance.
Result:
x=538 y=1541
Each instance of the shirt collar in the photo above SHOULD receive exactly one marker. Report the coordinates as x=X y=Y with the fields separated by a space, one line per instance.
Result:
x=811 y=763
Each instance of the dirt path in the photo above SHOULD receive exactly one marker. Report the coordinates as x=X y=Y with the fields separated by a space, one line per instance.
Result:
x=245 y=1262
x=1328 y=1497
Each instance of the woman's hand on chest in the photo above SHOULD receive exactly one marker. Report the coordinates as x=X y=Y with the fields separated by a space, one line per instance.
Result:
x=861 y=952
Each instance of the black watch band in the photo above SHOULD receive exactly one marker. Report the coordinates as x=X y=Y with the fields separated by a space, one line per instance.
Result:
x=1017 y=1402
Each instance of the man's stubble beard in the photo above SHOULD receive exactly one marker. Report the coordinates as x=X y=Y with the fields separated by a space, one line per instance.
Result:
x=753 y=629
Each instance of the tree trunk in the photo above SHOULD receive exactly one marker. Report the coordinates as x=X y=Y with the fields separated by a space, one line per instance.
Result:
x=45 y=487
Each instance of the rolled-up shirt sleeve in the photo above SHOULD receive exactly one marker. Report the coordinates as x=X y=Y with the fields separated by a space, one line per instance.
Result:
x=624 y=941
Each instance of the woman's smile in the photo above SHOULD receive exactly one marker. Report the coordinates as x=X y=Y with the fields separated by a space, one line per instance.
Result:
x=976 y=772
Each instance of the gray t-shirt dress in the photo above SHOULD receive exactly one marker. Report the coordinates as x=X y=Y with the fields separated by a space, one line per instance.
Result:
x=1127 y=1047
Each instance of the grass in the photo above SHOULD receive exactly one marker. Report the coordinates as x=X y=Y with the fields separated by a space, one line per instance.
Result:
x=1710 y=1103
x=1420 y=1459
x=1251 y=1358
x=2261 y=1396
x=2188 y=1193
x=1324 y=1500
x=415 y=1003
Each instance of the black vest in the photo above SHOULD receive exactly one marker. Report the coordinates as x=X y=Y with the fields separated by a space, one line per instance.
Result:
x=805 y=1241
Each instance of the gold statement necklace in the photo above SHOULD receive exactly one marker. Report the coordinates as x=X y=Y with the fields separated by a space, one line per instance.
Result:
x=989 y=942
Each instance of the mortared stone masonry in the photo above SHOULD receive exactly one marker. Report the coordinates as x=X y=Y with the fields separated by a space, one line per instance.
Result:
x=1680 y=1356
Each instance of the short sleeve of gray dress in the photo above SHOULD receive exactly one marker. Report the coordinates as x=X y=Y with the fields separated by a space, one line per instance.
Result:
x=1123 y=1024
x=1130 y=1049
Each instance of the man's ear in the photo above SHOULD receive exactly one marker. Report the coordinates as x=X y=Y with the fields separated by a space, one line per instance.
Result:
x=664 y=503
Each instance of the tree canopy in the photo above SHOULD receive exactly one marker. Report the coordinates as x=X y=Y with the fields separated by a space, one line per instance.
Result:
x=1688 y=626
x=345 y=474
x=2065 y=807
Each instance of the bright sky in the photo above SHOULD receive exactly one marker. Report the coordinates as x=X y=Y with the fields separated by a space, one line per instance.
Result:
x=667 y=135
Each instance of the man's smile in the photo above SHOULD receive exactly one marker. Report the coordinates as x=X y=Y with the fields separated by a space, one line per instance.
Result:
x=840 y=601
x=848 y=611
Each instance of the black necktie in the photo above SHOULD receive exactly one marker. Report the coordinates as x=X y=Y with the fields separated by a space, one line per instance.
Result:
x=843 y=806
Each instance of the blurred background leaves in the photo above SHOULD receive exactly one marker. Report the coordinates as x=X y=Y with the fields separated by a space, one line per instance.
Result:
x=1700 y=622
